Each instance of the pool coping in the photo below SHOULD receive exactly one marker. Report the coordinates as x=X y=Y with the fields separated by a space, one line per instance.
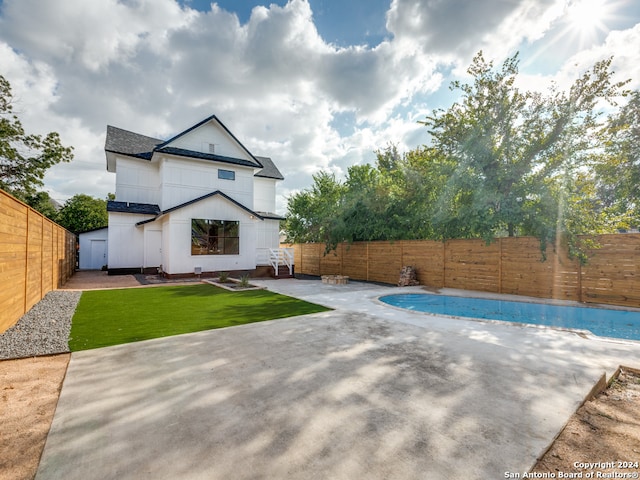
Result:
x=586 y=334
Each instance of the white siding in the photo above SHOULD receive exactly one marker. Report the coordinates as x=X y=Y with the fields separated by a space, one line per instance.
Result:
x=267 y=236
x=166 y=245
x=199 y=139
x=126 y=241
x=184 y=179
x=178 y=231
x=85 y=240
x=264 y=194
x=137 y=181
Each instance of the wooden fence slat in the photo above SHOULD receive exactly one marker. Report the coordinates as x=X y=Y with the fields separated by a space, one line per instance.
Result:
x=33 y=258
x=514 y=265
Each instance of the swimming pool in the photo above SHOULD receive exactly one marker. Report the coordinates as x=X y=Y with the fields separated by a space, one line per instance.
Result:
x=599 y=321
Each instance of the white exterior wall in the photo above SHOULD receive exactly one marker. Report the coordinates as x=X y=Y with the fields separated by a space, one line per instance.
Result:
x=264 y=194
x=126 y=241
x=184 y=179
x=267 y=236
x=198 y=140
x=137 y=181
x=85 y=240
x=177 y=256
x=166 y=245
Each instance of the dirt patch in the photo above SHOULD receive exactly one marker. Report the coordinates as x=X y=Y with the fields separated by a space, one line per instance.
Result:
x=29 y=391
x=602 y=439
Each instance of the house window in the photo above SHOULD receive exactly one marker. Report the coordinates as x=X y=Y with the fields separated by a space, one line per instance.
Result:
x=212 y=148
x=215 y=237
x=226 y=174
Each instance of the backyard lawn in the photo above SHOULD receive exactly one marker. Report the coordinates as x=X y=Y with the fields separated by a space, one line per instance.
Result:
x=111 y=317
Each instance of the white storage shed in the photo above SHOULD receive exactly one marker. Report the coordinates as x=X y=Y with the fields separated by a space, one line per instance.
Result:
x=93 y=249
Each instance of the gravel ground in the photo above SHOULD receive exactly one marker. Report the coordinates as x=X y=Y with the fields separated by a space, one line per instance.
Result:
x=43 y=330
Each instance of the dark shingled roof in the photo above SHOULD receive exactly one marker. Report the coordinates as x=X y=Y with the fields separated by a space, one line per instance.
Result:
x=135 y=145
x=129 y=143
x=270 y=170
x=129 y=207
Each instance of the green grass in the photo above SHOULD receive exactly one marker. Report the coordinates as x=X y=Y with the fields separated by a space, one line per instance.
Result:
x=111 y=317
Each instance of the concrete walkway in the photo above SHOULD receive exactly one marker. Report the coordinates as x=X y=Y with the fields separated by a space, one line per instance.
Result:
x=364 y=391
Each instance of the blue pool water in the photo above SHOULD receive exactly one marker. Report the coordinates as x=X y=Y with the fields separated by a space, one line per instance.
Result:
x=599 y=321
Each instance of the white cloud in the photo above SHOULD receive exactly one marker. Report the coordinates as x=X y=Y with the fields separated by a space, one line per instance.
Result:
x=456 y=29
x=623 y=46
x=155 y=68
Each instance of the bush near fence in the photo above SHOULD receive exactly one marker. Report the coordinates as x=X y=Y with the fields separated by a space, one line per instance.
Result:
x=513 y=265
x=36 y=256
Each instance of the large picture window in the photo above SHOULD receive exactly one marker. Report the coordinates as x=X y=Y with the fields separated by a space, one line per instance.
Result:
x=215 y=237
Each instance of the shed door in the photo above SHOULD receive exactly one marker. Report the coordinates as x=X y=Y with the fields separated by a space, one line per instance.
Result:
x=98 y=254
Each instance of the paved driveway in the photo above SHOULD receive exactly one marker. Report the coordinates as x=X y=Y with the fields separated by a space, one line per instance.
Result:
x=365 y=391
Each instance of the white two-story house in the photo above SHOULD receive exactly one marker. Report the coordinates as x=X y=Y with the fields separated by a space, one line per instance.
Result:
x=199 y=202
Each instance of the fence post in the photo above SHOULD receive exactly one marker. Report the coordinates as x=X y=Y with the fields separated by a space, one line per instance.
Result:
x=26 y=264
x=444 y=263
x=500 y=265
x=367 y=261
x=580 y=297
x=41 y=255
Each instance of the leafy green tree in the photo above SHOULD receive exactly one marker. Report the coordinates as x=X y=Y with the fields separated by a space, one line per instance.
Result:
x=42 y=202
x=618 y=168
x=82 y=213
x=514 y=151
x=312 y=214
x=24 y=158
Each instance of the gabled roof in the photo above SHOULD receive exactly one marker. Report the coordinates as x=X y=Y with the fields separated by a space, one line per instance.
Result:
x=270 y=170
x=222 y=125
x=135 y=145
x=132 y=144
x=199 y=199
x=130 y=207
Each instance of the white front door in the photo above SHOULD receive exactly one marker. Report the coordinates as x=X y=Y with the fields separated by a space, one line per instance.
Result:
x=153 y=248
x=98 y=254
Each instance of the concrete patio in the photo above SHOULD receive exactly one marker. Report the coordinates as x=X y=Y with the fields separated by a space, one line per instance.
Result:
x=364 y=391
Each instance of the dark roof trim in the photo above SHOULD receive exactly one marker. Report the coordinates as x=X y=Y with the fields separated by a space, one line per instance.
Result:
x=208 y=119
x=130 y=207
x=181 y=152
x=270 y=216
x=199 y=199
x=92 y=230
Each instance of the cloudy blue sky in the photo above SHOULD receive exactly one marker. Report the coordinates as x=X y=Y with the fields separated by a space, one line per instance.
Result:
x=314 y=84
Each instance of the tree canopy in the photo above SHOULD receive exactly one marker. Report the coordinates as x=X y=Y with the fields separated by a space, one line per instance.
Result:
x=82 y=213
x=500 y=162
x=25 y=158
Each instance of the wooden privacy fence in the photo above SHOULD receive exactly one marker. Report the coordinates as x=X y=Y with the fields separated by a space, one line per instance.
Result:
x=36 y=256
x=512 y=265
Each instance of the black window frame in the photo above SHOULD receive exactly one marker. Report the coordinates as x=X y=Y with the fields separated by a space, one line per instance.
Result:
x=215 y=237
